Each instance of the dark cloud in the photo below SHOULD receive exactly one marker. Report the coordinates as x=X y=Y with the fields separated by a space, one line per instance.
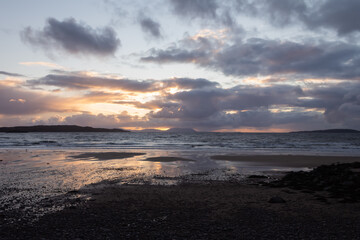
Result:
x=265 y=57
x=337 y=105
x=11 y=74
x=188 y=50
x=195 y=8
x=150 y=27
x=175 y=55
x=100 y=120
x=203 y=103
x=206 y=10
x=341 y=103
x=15 y=101
x=88 y=82
x=279 y=12
x=82 y=81
x=190 y=83
x=340 y=16
x=206 y=106
x=73 y=37
x=284 y=12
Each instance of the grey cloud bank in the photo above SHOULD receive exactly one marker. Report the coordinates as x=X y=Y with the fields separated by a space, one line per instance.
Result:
x=150 y=27
x=73 y=37
x=81 y=81
x=11 y=74
x=340 y=16
x=206 y=105
x=253 y=56
x=260 y=64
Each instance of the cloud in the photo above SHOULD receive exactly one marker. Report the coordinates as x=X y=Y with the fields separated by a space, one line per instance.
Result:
x=205 y=106
x=11 y=74
x=279 y=12
x=45 y=64
x=254 y=56
x=203 y=103
x=73 y=37
x=195 y=8
x=207 y=10
x=190 y=83
x=83 y=81
x=97 y=120
x=150 y=27
x=339 y=16
x=20 y=100
x=16 y=101
x=280 y=106
x=341 y=102
x=342 y=16
x=80 y=81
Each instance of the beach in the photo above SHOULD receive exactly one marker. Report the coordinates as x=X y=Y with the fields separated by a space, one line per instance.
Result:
x=217 y=210
x=150 y=195
x=180 y=119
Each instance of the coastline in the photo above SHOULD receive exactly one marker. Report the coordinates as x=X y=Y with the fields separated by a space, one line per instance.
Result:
x=121 y=195
x=300 y=161
x=217 y=210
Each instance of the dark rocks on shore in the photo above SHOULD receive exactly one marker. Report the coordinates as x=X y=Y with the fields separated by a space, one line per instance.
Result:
x=276 y=200
x=257 y=176
x=340 y=180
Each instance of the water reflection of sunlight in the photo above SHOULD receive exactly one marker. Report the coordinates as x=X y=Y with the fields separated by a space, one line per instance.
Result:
x=54 y=172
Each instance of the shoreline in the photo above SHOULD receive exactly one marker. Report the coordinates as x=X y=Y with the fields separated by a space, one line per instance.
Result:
x=216 y=210
x=218 y=203
x=297 y=161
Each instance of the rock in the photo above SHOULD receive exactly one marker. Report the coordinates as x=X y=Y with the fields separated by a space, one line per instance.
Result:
x=340 y=180
x=257 y=176
x=276 y=200
x=348 y=183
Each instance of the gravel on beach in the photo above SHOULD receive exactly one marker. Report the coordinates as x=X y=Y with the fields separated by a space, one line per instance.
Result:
x=215 y=210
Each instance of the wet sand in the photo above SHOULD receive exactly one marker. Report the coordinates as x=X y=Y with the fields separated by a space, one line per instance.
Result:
x=193 y=209
x=101 y=156
x=215 y=210
x=168 y=159
x=295 y=161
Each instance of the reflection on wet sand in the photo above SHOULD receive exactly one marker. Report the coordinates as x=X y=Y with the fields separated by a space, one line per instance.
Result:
x=27 y=177
x=295 y=161
x=168 y=159
x=106 y=155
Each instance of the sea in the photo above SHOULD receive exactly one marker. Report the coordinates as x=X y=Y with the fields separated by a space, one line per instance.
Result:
x=254 y=143
x=39 y=170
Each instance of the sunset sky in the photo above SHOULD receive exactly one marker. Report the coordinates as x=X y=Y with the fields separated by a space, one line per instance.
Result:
x=235 y=65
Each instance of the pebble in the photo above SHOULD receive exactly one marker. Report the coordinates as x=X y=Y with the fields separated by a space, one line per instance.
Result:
x=277 y=200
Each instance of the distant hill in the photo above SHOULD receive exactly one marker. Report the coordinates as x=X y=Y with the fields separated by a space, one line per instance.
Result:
x=330 y=131
x=150 y=130
x=57 y=128
x=181 y=130
x=171 y=130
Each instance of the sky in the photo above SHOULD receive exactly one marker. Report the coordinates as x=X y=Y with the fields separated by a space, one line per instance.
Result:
x=210 y=65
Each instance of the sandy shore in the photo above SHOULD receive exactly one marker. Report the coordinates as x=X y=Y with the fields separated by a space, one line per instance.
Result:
x=101 y=156
x=217 y=210
x=195 y=209
x=286 y=160
x=167 y=159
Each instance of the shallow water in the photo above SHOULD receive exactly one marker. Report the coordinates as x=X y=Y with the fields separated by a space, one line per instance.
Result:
x=335 y=143
x=28 y=177
x=36 y=167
